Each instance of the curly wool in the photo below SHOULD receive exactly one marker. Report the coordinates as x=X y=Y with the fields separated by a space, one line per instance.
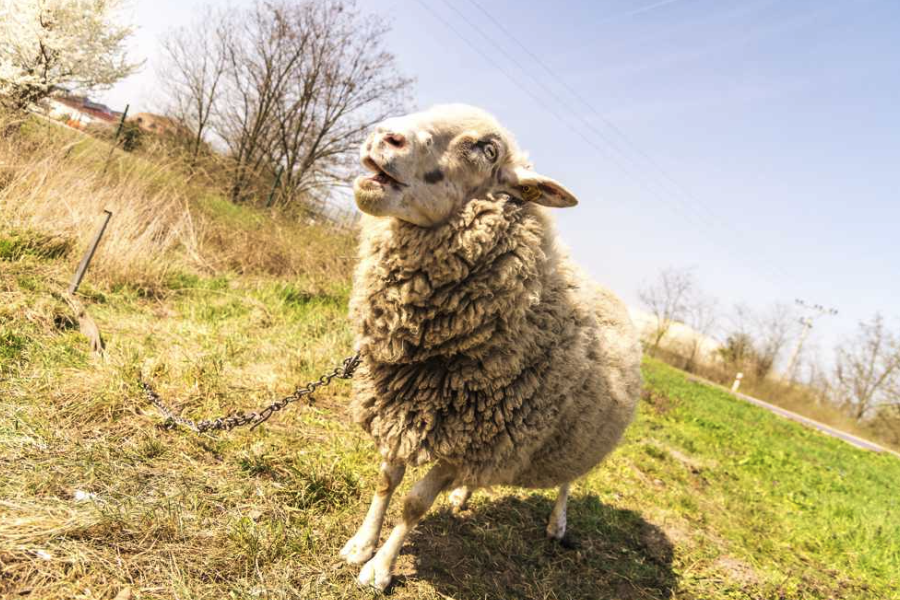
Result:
x=480 y=348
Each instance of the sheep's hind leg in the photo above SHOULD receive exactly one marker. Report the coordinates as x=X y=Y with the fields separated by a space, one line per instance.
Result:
x=361 y=546
x=459 y=498
x=377 y=572
x=556 y=527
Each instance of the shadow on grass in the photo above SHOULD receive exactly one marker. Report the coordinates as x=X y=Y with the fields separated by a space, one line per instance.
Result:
x=498 y=550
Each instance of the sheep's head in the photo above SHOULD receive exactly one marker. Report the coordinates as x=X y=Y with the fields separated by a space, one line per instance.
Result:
x=427 y=165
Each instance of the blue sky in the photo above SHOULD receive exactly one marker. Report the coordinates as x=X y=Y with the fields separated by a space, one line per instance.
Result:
x=755 y=141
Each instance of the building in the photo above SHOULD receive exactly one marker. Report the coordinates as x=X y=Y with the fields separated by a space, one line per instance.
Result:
x=80 y=112
x=157 y=124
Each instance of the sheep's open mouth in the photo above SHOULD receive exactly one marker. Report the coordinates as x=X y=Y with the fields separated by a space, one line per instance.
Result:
x=381 y=176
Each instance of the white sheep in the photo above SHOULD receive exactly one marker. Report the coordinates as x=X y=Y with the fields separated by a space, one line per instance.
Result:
x=483 y=349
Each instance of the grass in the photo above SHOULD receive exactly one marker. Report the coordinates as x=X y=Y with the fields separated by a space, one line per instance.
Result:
x=802 y=398
x=55 y=184
x=707 y=497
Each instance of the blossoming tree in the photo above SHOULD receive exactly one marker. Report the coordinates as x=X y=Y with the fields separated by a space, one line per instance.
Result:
x=45 y=44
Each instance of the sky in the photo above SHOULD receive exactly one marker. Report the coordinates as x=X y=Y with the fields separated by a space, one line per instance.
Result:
x=756 y=142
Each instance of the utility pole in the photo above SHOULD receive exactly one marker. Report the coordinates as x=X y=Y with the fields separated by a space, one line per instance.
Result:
x=817 y=310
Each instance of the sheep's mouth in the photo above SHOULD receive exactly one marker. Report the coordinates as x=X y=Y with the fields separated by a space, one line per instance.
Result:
x=381 y=176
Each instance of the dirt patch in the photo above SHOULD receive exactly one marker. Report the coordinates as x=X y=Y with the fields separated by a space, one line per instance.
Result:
x=660 y=403
x=737 y=570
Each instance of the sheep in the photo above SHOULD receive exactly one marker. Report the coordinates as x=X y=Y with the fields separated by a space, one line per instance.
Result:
x=484 y=350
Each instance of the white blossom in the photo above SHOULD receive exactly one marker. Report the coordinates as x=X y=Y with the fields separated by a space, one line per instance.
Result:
x=45 y=44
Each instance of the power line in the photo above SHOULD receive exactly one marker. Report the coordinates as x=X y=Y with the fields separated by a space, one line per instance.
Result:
x=682 y=190
x=636 y=11
x=525 y=89
x=566 y=105
x=549 y=109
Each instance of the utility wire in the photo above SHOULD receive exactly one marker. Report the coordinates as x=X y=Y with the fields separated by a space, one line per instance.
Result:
x=529 y=92
x=549 y=109
x=638 y=11
x=614 y=156
x=660 y=171
x=599 y=133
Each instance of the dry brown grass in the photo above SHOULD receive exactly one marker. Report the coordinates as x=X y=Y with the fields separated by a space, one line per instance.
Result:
x=55 y=184
x=49 y=189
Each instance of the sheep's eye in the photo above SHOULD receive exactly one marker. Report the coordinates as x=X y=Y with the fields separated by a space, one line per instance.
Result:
x=490 y=150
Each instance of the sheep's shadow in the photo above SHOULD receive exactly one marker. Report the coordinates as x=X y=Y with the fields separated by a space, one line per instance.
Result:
x=498 y=549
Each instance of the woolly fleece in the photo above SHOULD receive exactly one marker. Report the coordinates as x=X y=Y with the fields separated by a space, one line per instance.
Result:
x=484 y=348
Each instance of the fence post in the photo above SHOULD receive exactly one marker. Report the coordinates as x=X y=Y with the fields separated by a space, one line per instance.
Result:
x=737 y=382
x=274 y=187
x=116 y=138
x=86 y=261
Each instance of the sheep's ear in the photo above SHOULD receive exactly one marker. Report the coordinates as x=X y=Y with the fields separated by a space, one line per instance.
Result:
x=528 y=185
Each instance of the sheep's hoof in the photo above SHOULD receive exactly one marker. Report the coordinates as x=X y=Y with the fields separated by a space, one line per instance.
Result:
x=356 y=552
x=375 y=575
x=556 y=530
x=459 y=499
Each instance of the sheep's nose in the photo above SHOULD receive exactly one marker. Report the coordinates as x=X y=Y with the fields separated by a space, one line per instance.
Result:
x=396 y=140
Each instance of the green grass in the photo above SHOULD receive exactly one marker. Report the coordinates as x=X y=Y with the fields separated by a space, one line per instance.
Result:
x=19 y=244
x=706 y=498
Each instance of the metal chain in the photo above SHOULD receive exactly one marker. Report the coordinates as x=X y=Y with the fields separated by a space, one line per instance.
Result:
x=229 y=422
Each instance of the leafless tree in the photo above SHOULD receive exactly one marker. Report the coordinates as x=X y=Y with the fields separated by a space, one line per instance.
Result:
x=758 y=336
x=701 y=315
x=773 y=327
x=343 y=83
x=194 y=62
x=867 y=370
x=668 y=299
x=291 y=86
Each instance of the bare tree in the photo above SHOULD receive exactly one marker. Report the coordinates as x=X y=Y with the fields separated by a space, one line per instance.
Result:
x=287 y=85
x=261 y=52
x=867 y=370
x=668 y=299
x=758 y=336
x=193 y=66
x=701 y=315
x=774 y=326
x=343 y=83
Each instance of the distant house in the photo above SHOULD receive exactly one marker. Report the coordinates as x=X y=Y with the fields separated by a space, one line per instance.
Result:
x=157 y=124
x=79 y=111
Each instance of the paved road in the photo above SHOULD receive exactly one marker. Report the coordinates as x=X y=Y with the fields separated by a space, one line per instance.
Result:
x=841 y=435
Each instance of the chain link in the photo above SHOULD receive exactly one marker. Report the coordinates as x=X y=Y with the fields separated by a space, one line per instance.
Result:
x=229 y=422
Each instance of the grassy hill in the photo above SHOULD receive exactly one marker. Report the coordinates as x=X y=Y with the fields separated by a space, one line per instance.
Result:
x=225 y=308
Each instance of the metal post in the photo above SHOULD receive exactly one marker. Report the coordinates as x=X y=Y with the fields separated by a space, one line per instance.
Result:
x=737 y=382
x=116 y=138
x=121 y=124
x=274 y=186
x=83 y=266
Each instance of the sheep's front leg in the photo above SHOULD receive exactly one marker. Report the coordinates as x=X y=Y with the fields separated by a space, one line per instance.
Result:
x=556 y=527
x=377 y=572
x=459 y=498
x=361 y=546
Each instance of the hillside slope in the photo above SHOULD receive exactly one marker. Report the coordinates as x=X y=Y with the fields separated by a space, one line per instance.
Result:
x=707 y=497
